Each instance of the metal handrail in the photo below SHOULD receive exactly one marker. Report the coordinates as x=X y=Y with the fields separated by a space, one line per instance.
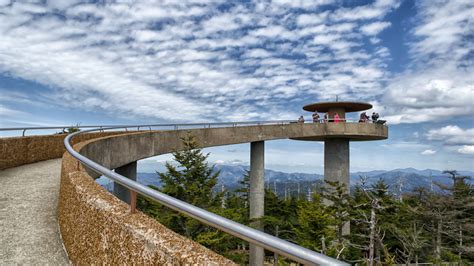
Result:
x=266 y=241
x=173 y=126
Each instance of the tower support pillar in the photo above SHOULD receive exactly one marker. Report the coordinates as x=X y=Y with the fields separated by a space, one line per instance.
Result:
x=257 y=195
x=336 y=166
x=130 y=171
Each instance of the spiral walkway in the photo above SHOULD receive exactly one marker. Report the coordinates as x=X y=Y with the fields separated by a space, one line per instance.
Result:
x=28 y=215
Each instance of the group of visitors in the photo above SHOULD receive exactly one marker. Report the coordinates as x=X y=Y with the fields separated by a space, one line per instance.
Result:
x=364 y=118
x=317 y=119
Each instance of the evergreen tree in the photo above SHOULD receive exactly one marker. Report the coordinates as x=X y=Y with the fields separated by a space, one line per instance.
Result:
x=315 y=228
x=458 y=232
x=236 y=209
x=191 y=180
x=338 y=202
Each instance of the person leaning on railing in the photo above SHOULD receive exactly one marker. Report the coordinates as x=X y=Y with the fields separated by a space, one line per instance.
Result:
x=364 y=118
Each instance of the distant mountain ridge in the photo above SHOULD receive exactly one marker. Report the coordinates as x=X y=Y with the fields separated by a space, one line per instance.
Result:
x=292 y=183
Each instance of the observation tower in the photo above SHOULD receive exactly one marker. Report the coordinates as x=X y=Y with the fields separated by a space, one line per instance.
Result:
x=337 y=135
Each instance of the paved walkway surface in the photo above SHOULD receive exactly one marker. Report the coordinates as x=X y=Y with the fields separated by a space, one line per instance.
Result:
x=29 y=231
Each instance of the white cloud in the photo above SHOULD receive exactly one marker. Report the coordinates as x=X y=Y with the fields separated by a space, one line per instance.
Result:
x=303 y=3
x=376 y=10
x=147 y=60
x=437 y=94
x=6 y=111
x=312 y=19
x=374 y=28
x=224 y=22
x=4 y=2
x=439 y=84
x=466 y=149
x=273 y=32
x=428 y=152
x=148 y=35
x=258 y=53
x=446 y=24
x=452 y=135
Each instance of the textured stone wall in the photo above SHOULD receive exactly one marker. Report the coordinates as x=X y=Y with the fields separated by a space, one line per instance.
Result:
x=16 y=151
x=98 y=228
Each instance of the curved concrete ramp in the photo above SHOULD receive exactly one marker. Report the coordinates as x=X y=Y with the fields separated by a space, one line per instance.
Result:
x=28 y=215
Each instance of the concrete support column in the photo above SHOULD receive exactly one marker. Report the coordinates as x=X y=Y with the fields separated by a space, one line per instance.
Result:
x=336 y=165
x=257 y=195
x=130 y=171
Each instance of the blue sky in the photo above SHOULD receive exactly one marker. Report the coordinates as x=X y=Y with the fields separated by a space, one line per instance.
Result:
x=67 y=62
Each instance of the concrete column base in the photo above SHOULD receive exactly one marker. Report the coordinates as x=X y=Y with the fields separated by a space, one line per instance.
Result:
x=130 y=171
x=257 y=195
x=336 y=166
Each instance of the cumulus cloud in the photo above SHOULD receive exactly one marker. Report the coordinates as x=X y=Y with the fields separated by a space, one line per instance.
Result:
x=303 y=3
x=452 y=135
x=374 y=28
x=439 y=83
x=428 y=152
x=376 y=10
x=466 y=149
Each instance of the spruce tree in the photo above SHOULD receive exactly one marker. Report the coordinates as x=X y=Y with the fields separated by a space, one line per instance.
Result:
x=191 y=180
x=315 y=228
x=339 y=203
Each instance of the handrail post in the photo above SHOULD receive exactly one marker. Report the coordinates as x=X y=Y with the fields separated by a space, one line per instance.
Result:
x=133 y=201
x=23 y=134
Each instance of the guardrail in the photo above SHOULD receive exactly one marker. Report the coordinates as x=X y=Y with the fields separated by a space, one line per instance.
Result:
x=269 y=242
x=175 y=126
x=149 y=126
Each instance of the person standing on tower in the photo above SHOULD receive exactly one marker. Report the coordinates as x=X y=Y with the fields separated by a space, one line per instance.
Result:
x=315 y=117
x=336 y=118
x=301 y=119
x=375 y=117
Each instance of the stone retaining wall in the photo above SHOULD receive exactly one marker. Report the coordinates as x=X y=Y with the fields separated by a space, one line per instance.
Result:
x=16 y=151
x=98 y=228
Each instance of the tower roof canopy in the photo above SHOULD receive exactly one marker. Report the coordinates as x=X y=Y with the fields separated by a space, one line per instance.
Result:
x=348 y=106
